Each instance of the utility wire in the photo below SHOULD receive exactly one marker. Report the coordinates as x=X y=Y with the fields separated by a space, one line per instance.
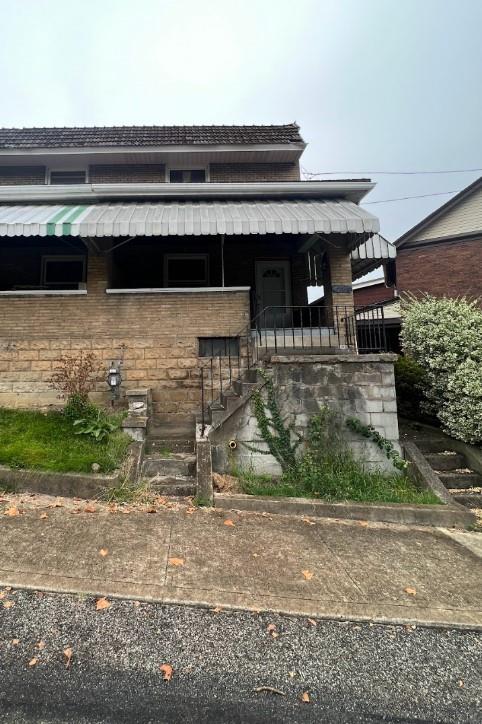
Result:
x=404 y=198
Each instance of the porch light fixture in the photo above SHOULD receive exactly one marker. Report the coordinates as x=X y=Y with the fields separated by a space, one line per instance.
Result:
x=114 y=379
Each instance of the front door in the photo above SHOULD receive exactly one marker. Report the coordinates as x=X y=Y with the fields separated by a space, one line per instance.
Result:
x=273 y=288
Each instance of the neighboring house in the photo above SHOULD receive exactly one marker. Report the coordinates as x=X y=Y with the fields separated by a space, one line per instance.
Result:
x=442 y=254
x=156 y=247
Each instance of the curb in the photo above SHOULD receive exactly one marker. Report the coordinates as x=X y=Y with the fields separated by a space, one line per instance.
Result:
x=444 y=516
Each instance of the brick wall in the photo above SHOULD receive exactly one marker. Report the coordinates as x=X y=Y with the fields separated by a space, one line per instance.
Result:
x=128 y=173
x=245 y=172
x=17 y=175
x=155 y=335
x=373 y=294
x=441 y=268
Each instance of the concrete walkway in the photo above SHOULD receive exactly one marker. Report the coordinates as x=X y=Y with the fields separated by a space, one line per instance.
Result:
x=324 y=568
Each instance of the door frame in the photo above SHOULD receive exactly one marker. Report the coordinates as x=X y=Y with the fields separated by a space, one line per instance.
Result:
x=261 y=264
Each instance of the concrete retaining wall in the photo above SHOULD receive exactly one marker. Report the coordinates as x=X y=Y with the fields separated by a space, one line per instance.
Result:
x=361 y=386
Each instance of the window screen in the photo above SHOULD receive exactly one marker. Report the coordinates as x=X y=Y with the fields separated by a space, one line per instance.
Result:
x=186 y=270
x=67 y=177
x=218 y=346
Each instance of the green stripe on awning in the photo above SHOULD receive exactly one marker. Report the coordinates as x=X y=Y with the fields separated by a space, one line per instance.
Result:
x=57 y=217
x=66 y=215
x=67 y=223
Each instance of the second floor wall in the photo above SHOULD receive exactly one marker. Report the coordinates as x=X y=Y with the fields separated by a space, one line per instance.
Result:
x=149 y=173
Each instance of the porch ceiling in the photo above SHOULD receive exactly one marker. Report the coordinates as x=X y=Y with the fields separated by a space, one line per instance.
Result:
x=189 y=218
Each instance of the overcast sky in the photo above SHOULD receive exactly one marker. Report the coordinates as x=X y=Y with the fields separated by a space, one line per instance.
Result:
x=374 y=84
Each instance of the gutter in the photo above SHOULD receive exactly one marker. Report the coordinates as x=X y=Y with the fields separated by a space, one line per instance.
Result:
x=353 y=191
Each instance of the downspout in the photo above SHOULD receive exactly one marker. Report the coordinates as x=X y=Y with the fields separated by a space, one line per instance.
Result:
x=222 y=260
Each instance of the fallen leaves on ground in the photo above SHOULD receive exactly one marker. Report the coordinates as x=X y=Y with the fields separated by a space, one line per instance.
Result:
x=33 y=662
x=229 y=522
x=271 y=629
x=44 y=516
x=363 y=523
x=167 y=671
x=269 y=689
x=11 y=512
x=136 y=604
x=307 y=575
x=461 y=684
x=90 y=508
x=104 y=552
x=2 y=594
x=8 y=604
x=410 y=590
x=15 y=642
x=215 y=610
x=40 y=645
x=176 y=561
x=305 y=697
x=308 y=521
x=312 y=621
x=68 y=653
x=190 y=511
x=102 y=603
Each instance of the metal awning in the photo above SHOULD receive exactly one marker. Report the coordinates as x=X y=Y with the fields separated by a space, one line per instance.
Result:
x=367 y=256
x=188 y=218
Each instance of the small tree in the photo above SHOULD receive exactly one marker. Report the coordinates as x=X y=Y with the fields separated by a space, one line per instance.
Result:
x=74 y=378
x=445 y=337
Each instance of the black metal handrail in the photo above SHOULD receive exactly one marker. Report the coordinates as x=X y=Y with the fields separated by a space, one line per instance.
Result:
x=275 y=329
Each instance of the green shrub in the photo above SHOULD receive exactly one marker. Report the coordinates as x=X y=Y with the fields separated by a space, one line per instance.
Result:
x=444 y=336
x=78 y=407
x=98 y=425
x=409 y=384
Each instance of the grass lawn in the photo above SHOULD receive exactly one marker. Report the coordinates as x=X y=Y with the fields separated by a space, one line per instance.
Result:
x=48 y=442
x=351 y=483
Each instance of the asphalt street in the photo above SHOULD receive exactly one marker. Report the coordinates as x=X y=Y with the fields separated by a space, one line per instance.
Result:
x=221 y=660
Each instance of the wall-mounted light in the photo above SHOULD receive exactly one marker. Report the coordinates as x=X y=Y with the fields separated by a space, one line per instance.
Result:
x=114 y=379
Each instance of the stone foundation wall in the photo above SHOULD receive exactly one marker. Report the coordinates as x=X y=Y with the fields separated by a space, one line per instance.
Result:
x=352 y=386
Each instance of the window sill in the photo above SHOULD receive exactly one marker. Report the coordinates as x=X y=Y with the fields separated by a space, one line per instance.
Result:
x=177 y=290
x=43 y=292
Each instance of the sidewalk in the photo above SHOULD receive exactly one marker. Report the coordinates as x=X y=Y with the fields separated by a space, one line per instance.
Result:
x=324 y=568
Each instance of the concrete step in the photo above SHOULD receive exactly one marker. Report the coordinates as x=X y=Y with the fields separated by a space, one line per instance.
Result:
x=470 y=500
x=447 y=460
x=182 y=485
x=177 y=464
x=244 y=388
x=459 y=479
x=166 y=446
x=433 y=444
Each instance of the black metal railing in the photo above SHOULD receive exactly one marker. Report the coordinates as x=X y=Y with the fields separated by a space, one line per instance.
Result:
x=277 y=330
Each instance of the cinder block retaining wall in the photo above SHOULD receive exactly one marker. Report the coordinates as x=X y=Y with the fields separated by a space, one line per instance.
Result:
x=155 y=335
x=353 y=386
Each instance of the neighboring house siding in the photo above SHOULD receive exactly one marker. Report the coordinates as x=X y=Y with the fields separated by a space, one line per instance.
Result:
x=132 y=173
x=235 y=172
x=465 y=218
x=18 y=175
x=373 y=294
x=449 y=268
x=155 y=335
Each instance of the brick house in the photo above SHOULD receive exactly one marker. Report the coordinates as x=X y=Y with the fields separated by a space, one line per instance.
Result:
x=442 y=254
x=155 y=247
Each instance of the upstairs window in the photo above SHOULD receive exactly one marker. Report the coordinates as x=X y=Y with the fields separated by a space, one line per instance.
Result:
x=191 y=176
x=67 y=177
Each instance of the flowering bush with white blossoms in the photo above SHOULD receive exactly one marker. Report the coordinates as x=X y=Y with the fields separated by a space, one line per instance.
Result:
x=445 y=337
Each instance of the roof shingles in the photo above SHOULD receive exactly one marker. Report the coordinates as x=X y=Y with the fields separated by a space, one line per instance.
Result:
x=115 y=136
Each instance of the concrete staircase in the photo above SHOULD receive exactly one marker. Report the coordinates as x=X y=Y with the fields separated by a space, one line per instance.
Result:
x=169 y=464
x=451 y=466
x=234 y=397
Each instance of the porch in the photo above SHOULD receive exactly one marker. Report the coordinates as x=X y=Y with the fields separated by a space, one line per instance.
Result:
x=134 y=292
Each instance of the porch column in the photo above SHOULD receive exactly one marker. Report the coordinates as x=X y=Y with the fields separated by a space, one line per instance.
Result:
x=338 y=289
